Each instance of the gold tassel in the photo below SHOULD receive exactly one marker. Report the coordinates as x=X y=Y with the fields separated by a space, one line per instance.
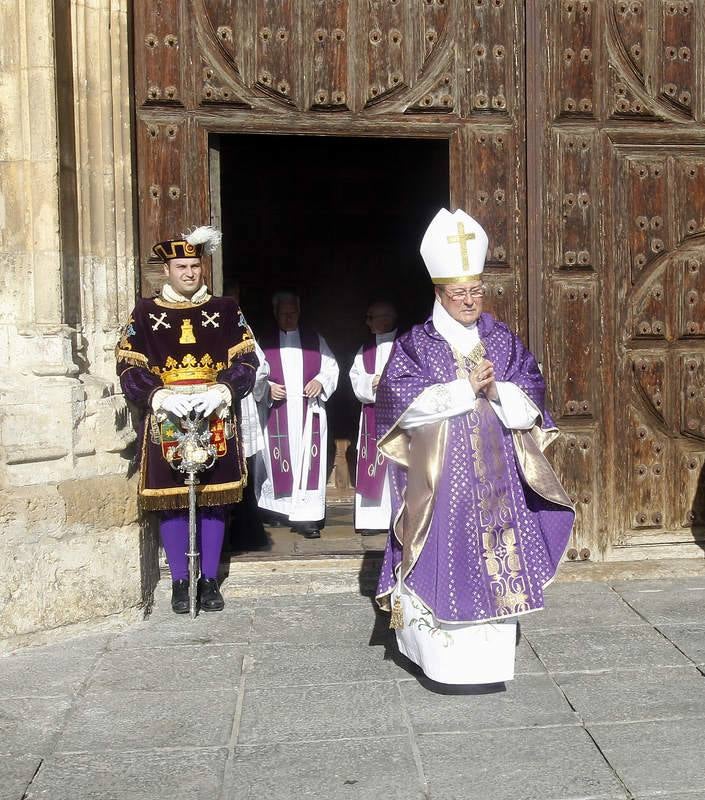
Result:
x=396 y=623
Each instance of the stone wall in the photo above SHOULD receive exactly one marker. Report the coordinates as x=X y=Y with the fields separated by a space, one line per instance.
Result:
x=71 y=546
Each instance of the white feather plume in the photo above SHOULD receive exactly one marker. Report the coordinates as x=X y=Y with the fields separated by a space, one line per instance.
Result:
x=206 y=235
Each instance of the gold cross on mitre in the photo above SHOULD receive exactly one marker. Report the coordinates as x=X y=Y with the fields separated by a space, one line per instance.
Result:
x=461 y=238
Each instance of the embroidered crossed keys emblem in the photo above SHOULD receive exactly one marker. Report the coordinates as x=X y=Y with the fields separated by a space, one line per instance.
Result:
x=461 y=239
x=210 y=319
x=159 y=321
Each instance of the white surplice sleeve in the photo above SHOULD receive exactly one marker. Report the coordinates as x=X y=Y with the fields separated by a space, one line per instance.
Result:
x=361 y=381
x=328 y=376
x=514 y=408
x=437 y=402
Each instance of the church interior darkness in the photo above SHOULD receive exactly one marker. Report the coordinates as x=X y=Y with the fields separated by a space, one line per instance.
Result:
x=338 y=219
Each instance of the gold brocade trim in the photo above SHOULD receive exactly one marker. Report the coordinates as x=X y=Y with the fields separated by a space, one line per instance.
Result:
x=162 y=303
x=247 y=345
x=395 y=443
x=465 y=278
x=131 y=357
x=176 y=248
x=534 y=466
x=412 y=523
x=396 y=622
x=466 y=363
x=427 y=453
x=499 y=542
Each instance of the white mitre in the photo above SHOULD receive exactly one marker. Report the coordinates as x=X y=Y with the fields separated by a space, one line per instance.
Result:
x=454 y=248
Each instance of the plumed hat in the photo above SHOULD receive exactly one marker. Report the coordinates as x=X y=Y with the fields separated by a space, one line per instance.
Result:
x=454 y=248
x=200 y=241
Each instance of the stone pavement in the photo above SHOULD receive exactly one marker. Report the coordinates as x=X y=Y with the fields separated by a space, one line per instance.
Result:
x=294 y=697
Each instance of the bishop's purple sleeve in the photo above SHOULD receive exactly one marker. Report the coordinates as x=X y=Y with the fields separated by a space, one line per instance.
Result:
x=403 y=380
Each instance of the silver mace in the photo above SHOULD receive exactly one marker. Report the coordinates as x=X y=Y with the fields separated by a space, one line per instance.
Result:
x=194 y=453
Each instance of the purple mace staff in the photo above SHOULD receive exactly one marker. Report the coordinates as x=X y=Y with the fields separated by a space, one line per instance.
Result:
x=194 y=453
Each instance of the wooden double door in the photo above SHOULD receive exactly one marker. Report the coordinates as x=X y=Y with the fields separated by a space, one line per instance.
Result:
x=576 y=136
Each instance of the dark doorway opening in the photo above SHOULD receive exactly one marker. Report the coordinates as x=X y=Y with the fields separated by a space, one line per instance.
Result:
x=338 y=219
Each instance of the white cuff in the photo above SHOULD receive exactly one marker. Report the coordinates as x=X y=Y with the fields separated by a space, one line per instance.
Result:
x=225 y=392
x=157 y=399
x=514 y=408
x=440 y=401
x=223 y=410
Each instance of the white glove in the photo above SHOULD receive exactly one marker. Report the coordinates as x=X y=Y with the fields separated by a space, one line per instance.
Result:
x=207 y=402
x=179 y=405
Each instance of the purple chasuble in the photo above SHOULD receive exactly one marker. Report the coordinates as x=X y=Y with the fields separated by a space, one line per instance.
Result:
x=371 y=463
x=494 y=539
x=278 y=419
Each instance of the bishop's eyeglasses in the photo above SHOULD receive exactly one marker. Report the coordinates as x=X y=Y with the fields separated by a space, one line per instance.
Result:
x=473 y=292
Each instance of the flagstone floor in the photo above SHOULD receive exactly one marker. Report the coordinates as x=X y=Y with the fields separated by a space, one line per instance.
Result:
x=292 y=697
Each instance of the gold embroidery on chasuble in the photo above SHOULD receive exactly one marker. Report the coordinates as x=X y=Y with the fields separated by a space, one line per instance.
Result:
x=187 y=334
x=500 y=554
x=465 y=364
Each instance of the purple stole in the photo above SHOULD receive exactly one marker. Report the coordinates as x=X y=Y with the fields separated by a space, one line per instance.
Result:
x=371 y=464
x=278 y=420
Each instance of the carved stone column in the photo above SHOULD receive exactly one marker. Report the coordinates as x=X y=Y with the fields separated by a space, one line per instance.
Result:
x=71 y=547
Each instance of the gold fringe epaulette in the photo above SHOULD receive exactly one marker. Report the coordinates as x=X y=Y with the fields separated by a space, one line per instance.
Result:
x=245 y=346
x=129 y=357
x=396 y=622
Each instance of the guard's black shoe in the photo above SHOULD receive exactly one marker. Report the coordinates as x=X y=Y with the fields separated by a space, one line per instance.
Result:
x=179 y=596
x=312 y=533
x=209 y=595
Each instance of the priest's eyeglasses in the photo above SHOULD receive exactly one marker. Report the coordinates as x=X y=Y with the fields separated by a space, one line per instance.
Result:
x=473 y=292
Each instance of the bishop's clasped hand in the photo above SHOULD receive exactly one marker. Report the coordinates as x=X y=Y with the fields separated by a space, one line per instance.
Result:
x=482 y=379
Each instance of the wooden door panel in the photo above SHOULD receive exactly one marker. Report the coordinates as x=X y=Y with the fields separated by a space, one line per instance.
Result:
x=158 y=73
x=338 y=67
x=623 y=223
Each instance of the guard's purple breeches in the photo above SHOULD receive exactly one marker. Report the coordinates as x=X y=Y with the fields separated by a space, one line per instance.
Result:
x=210 y=530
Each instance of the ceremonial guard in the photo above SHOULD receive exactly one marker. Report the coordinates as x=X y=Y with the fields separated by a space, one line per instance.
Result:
x=480 y=520
x=303 y=374
x=180 y=352
x=373 y=505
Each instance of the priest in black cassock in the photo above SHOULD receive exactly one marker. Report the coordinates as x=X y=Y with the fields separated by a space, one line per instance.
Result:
x=181 y=351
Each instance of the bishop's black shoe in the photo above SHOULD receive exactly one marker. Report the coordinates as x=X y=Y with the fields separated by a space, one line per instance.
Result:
x=312 y=533
x=209 y=595
x=179 y=596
